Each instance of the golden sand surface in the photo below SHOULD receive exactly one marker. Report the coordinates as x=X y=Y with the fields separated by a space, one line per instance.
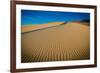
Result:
x=65 y=42
x=27 y=28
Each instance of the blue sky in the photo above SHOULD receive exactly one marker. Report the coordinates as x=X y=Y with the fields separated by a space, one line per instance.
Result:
x=32 y=17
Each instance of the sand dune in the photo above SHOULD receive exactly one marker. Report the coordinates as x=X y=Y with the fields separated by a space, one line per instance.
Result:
x=28 y=28
x=65 y=42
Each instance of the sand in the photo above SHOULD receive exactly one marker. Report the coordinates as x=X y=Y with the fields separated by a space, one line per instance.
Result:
x=62 y=43
x=27 y=28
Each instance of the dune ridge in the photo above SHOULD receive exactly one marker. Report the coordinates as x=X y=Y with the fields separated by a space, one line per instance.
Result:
x=27 y=28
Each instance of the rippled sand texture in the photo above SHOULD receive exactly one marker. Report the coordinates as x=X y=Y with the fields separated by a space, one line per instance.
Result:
x=61 y=43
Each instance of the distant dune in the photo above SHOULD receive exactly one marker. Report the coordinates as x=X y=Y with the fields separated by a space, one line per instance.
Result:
x=70 y=41
x=27 y=28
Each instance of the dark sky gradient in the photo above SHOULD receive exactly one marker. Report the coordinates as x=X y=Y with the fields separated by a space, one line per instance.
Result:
x=29 y=17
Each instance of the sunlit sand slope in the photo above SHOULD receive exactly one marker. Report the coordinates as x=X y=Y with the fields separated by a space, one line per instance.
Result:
x=64 y=42
x=27 y=28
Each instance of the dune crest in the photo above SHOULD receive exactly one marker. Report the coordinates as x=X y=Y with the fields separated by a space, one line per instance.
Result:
x=28 y=28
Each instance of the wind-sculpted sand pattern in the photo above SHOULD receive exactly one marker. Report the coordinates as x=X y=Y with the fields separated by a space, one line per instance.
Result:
x=61 y=43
